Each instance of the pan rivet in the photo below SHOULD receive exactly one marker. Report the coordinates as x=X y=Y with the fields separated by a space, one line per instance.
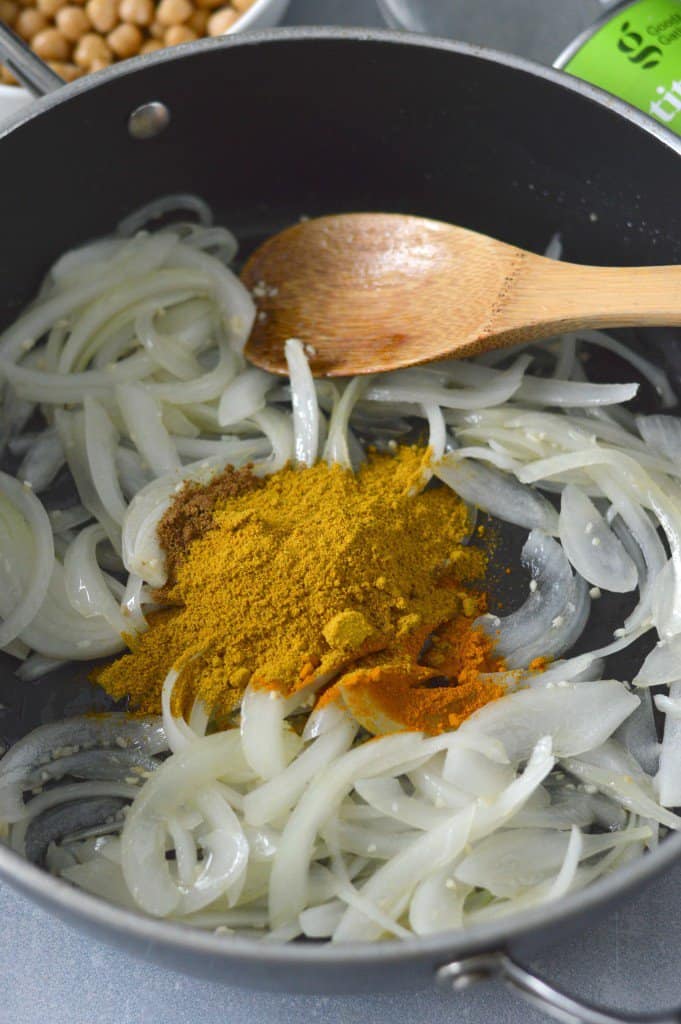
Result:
x=148 y=120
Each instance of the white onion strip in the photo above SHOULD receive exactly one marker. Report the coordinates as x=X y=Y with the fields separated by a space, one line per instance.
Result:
x=40 y=558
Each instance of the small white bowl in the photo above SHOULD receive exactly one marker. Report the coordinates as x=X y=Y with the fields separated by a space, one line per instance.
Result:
x=262 y=14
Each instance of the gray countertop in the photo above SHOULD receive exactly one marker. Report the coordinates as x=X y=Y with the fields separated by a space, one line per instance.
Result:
x=49 y=972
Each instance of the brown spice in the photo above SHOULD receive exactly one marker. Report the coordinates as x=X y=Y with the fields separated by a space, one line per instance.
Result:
x=190 y=516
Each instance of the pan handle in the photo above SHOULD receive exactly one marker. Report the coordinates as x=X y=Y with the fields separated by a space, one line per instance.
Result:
x=31 y=71
x=460 y=974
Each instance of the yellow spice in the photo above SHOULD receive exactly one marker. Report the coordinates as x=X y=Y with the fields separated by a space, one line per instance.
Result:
x=301 y=576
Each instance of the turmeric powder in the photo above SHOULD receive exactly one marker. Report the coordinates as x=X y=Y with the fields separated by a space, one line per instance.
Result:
x=431 y=687
x=298 y=576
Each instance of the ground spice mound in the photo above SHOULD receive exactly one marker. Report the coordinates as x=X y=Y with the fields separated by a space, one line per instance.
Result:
x=191 y=514
x=303 y=573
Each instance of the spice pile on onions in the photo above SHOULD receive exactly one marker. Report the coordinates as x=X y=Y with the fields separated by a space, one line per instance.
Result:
x=332 y=725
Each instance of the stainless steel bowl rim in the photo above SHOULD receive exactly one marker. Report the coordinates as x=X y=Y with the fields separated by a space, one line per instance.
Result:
x=63 y=896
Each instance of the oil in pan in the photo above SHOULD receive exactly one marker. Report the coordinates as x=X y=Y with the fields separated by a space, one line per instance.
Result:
x=634 y=51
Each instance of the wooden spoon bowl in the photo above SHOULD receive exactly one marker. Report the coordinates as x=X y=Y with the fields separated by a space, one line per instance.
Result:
x=370 y=292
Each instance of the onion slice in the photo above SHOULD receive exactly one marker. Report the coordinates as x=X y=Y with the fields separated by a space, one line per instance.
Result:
x=591 y=546
x=37 y=559
x=499 y=494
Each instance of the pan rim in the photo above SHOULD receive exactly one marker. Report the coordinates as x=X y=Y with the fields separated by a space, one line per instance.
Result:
x=59 y=894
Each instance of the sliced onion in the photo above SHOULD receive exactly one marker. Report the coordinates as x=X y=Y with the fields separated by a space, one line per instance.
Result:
x=654 y=374
x=416 y=386
x=101 y=444
x=391 y=887
x=577 y=716
x=235 y=301
x=49 y=742
x=185 y=202
x=337 y=447
x=497 y=493
x=624 y=788
x=506 y=863
x=437 y=904
x=577 y=669
x=42 y=461
x=202 y=389
x=182 y=778
x=147 y=255
x=290 y=870
x=178 y=733
x=304 y=403
x=86 y=585
x=276 y=797
x=276 y=426
x=662 y=665
x=165 y=350
x=36 y=559
x=245 y=395
x=663 y=433
x=144 y=422
x=71 y=429
x=668 y=781
x=591 y=546
x=519 y=632
x=263 y=729
x=58 y=822
x=552 y=392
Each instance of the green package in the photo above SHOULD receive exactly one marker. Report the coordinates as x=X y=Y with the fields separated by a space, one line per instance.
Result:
x=636 y=55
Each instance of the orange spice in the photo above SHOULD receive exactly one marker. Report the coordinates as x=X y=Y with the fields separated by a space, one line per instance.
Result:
x=433 y=695
x=539 y=664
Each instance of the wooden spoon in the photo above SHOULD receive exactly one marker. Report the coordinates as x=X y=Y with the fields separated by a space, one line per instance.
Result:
x=368 y=292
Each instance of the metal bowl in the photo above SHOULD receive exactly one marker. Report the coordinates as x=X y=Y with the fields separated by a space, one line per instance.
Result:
x=262 y=14
x=539 y=29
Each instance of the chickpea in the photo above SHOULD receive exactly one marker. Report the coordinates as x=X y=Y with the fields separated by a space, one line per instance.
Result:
x=73 y=22
x=30 y=21
x=67 y=71
x=177 y=34
x=50 y=7
x=221 y=21
x=209 y=4
x=137 y=12
x=151 y=46
x=50 y=44
x=157 y=30
x=125 y=40
x=173 y=12
x=242 y=5
x=199 y=22
x=8 y=11
x=6 y=76
x=91 y=50
x=103 y=14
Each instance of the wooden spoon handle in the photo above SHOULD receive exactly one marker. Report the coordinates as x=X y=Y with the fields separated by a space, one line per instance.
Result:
x=541 y=298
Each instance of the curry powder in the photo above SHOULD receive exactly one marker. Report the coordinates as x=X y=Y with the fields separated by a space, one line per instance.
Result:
x=298 y=576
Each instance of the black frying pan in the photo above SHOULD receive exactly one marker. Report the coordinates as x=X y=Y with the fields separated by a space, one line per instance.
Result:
x=271 y=126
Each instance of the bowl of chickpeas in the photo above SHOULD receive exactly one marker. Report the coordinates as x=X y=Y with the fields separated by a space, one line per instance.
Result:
x=76 y=37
